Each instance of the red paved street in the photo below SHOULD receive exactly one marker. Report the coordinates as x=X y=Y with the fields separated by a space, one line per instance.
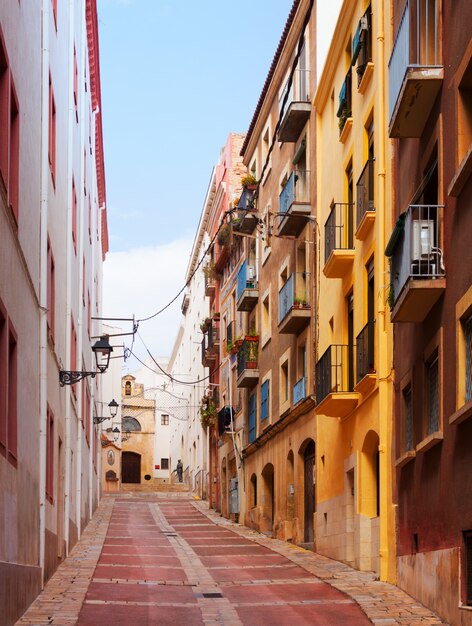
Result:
x=163 y=562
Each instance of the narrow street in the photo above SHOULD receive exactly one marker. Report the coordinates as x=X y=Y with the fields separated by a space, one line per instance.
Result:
x=164 y=559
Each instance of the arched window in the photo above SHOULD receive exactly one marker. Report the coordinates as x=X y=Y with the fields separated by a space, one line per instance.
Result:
x=127 y=388
x=130 y=424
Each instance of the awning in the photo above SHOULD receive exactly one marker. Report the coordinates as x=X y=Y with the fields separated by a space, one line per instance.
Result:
x=342 y=99
x=356 y=44
x=398 y=230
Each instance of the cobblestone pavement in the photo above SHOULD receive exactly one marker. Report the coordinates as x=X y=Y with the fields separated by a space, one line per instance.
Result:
x=167 y=559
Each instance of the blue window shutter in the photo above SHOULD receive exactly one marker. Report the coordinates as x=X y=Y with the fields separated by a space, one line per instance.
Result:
x=356 y=44
x=265 y=400
x=252 y=418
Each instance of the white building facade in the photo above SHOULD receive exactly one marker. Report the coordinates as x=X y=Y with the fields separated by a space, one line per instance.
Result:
x=53 y=240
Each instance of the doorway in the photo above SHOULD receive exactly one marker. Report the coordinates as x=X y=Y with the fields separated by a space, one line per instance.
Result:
x=130 y=467
x=309 y=492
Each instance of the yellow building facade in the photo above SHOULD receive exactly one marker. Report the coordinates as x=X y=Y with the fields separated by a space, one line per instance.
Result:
x=353 y=372
x=137 y=434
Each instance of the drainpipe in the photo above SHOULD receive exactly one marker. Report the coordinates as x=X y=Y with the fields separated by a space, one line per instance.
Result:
x=387 y=549
x=43 y=284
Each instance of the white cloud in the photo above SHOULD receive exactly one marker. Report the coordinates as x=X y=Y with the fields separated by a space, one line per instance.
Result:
x=141 y=281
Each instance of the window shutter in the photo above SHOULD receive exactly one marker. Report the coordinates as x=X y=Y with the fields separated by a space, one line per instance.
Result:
x=252 y=418
x=265 y=400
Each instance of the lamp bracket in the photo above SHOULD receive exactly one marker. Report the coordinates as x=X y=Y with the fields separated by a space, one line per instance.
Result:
x=72 y=377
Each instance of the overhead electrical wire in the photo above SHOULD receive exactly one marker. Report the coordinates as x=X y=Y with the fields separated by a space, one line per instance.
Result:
x=128 y=351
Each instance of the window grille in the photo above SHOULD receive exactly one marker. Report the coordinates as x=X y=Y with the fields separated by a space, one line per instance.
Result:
x=433 y=396
x=164 y=464
x=468 y=359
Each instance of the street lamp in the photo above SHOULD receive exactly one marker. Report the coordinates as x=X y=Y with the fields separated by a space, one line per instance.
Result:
x=116 y=433
x=102 y=351
x=113 y=406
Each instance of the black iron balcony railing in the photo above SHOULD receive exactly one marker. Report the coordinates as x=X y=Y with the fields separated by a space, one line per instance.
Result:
x=365 y=351
x=334 y=371
x=362 y=45
x=365 y=191
x=345 y=102
x=339 y=228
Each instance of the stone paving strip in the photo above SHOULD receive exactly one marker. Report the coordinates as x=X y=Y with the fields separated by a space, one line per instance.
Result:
x=252 y=592
x=383 y=603
x=62 y=598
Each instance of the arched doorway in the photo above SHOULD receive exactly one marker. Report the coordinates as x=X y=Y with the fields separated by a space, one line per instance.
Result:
x=268 y=496
x=130 y=467
x=290 y=487
x=309 y=486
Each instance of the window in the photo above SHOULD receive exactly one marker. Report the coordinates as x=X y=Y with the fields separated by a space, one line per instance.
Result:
x=407 y=420
x=432 y=384
x=265 y=318
x=468 y=566
x=164 y=420
x=51 y=291
x=8 y=388
x=76 y=86
x=265 y=400
x=130 y=424
x=74 y=216
x=127 y=388
x=165 y=464
x=73 y=350
x=467 y=325
x=50 y=456
x=362 y=44
x=284 y=390
x=10 y=135
x=52 y=132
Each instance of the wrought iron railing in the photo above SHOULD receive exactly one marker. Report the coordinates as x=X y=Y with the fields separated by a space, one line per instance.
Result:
x=416 y=45
x=246 y=278
x=365 y=351
x=365 y=191
x=294 y=293
x=333 y=372
x=299 y=89
x=416 y=251
x=299 y=390
x=339 y=228
x=296 y=189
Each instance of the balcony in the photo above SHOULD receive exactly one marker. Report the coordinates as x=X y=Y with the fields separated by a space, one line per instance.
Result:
x=415 y=74
x=365 y=371
x=362 y=51
x=248 y=372
x=294 y=304
x=297 y=108
x=246 y=216
x=210 y=280
x=365 y=201
x=339 y=244
x=210 y=345
x=248 y=290
x=417 y=272
x=334 y=382
x=344 y=112
x=294 y=204
x=299 y=391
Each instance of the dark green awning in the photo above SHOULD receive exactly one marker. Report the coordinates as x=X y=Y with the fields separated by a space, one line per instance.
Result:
x=396 y=233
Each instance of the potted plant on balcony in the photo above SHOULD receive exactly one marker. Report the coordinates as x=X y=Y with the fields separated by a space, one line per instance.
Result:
x=209 y=270
x=208 y=412
x=203 y=326
x=249 y=182
x=216 y=316
x=224 y=234
x=300 y=303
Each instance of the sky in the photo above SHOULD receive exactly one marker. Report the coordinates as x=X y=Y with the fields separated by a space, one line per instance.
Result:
x=177 y=76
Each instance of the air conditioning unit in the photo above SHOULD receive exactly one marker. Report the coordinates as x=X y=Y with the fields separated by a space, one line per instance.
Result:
x=423 y=239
